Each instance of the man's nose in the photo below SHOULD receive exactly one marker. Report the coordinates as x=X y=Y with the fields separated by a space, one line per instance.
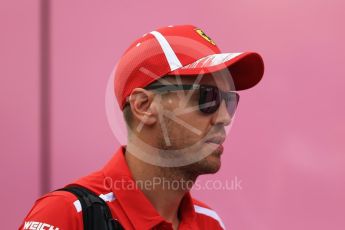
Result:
x=222 y=116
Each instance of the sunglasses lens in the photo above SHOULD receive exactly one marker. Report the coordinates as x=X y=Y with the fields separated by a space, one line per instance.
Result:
x=209 y=99
x=231 y=101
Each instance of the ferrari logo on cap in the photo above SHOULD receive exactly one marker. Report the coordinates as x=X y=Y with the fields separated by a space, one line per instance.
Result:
x=207 y=38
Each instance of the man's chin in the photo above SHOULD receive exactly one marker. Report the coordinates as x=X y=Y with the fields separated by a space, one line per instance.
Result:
x=210 y=164
x=214 y=162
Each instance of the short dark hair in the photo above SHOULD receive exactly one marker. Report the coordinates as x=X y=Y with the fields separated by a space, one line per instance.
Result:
x=127 y=114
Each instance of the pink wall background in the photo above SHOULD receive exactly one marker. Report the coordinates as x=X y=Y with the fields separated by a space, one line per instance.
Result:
x=286 y=145
x=19 y=116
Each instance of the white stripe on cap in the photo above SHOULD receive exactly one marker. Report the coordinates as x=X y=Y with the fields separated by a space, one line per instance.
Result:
x=170 y=55
x=212 y=60
x=210 y=213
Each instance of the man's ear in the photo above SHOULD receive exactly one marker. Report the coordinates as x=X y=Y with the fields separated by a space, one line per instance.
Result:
x=143 y=106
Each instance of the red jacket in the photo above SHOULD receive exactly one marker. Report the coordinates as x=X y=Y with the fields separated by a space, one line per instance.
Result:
x=61 y=210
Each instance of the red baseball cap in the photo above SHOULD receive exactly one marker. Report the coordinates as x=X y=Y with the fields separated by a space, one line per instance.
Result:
x=183 y=50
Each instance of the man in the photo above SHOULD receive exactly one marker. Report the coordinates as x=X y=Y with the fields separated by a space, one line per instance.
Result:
x=178 y=93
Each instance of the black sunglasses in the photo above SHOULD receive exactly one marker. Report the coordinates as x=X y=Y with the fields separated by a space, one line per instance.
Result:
x=210 y=97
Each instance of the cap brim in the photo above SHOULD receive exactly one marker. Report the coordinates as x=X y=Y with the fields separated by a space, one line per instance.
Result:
x=246 y=68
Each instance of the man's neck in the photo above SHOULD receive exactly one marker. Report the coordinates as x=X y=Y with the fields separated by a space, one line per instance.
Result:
x=164 y=194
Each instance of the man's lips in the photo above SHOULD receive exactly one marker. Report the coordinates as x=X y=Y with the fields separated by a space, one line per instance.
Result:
x=215 y=148
x=221 y=148
x=216 y=140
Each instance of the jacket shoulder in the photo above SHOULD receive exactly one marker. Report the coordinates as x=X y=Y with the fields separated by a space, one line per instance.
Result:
x=207 y=216
x=54 y=210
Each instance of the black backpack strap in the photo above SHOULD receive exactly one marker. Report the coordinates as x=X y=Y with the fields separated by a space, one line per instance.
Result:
x=96 y=213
